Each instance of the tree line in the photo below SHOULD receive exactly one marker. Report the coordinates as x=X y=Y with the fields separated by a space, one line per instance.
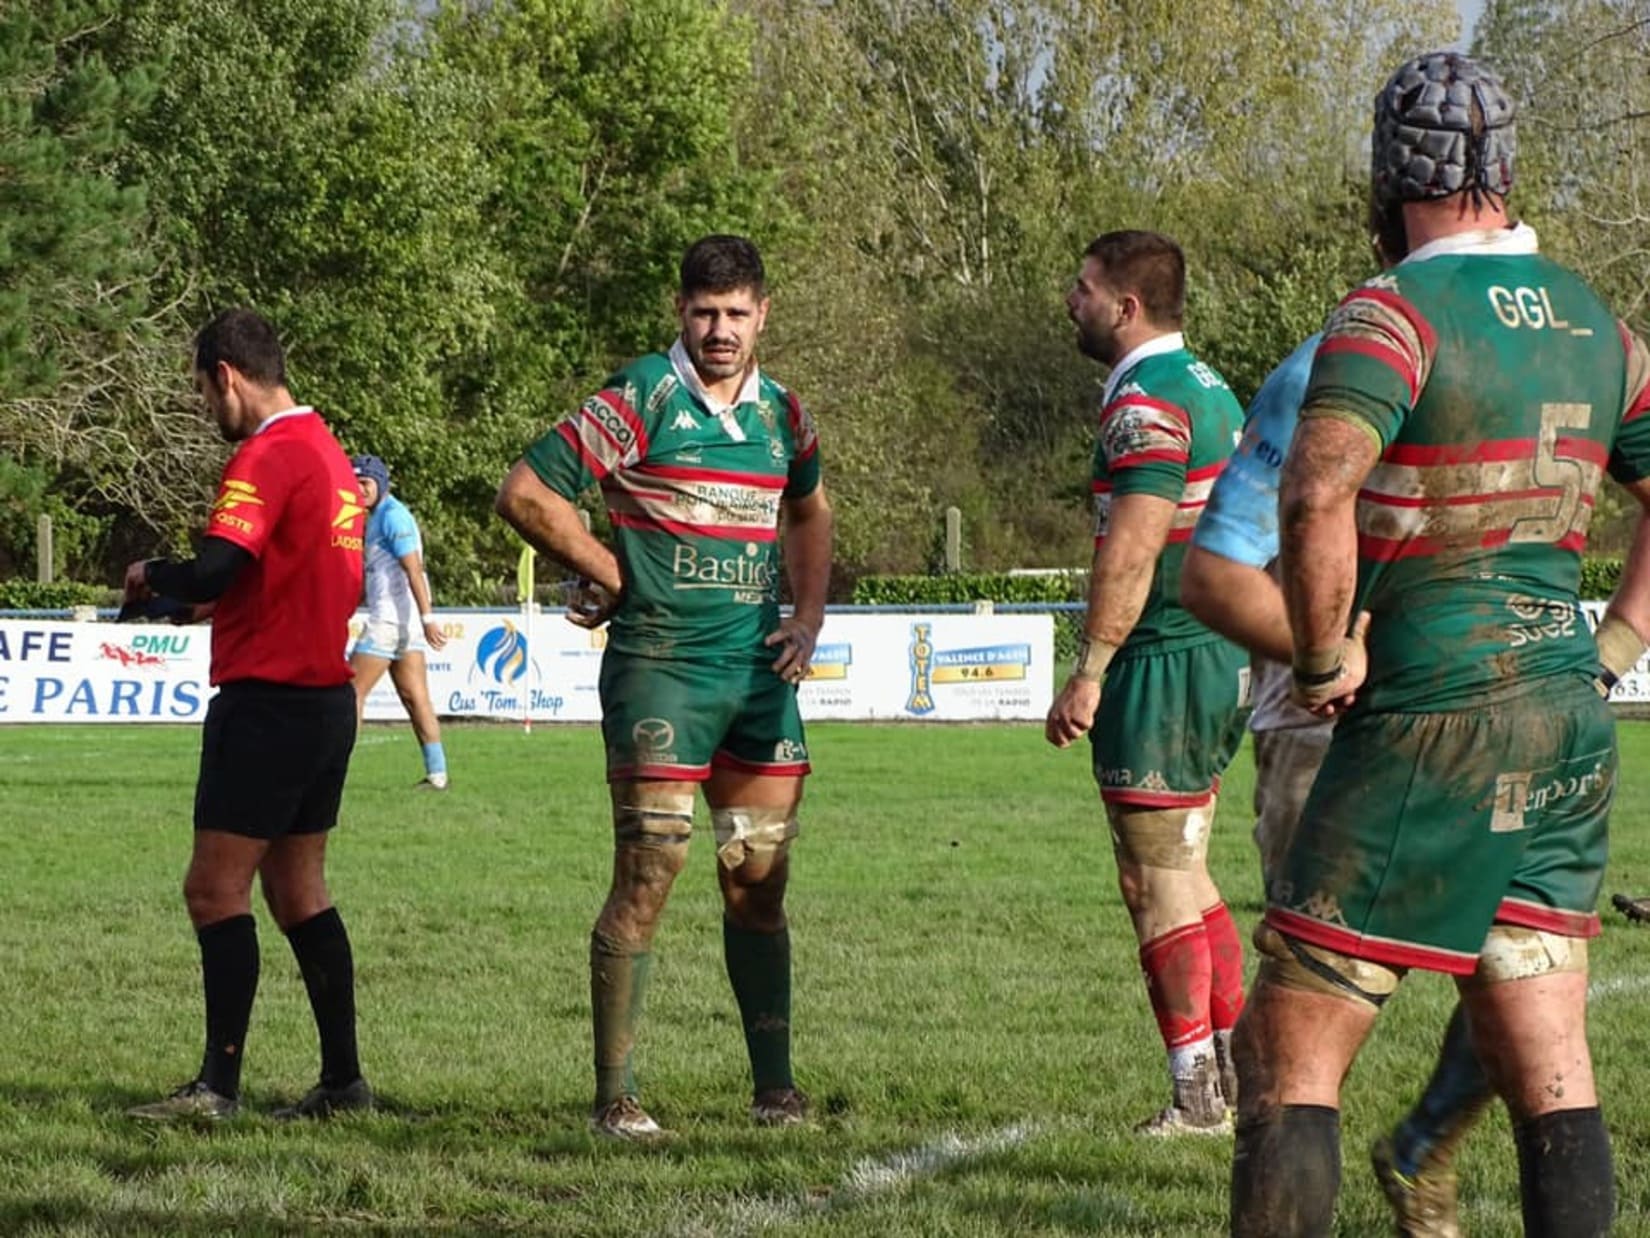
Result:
x=462 y=215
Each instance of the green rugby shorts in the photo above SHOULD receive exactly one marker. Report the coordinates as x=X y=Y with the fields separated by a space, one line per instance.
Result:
x=1423 y=829
x=675 y=720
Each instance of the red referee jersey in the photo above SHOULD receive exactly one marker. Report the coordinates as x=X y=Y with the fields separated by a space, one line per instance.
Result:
x=288 y=496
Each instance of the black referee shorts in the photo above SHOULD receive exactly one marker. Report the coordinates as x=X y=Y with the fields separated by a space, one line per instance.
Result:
x=273 y=758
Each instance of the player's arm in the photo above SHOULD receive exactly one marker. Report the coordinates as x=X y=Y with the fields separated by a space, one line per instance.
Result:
x=1328 y=460
x=205 y=578
x=1625 y=628
x=808 y=525
x=550 y=523
x=1243 y=603
x=1120 y=580
x=412 y=563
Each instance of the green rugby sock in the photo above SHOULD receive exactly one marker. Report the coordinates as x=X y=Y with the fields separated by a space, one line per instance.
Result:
x=618 y=980
x=759 y=966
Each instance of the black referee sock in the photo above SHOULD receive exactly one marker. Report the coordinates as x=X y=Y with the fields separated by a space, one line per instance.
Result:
x=229 y=975
x=321 y=947
x=1565 y=1175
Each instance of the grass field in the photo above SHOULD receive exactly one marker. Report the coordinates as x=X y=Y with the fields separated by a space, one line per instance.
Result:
x=969 y=1015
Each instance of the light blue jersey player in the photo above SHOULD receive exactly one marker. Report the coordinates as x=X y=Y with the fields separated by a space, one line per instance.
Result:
x=400 y=627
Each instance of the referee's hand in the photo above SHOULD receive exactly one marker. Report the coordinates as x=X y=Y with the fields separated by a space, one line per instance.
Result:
x=137 y=582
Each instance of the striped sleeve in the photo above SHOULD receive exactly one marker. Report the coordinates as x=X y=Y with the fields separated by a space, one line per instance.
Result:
x=1630 y=455
x=604 y=436
x=1373 y=363
x=803 y=478
x=1145 y=444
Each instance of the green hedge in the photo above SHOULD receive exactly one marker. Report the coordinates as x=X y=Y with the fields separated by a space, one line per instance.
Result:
x=1599 y=577
x=22 y=594
x=964 y=587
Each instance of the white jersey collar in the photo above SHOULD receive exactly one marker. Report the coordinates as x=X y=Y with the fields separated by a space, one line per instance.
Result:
x=749 y=391
x=296 y=411
x=1482 y=242
x=1174 y=341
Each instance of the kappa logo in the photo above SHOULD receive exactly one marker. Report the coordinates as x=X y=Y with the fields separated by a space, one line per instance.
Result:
x=236 y=493
x=684 y=421
x=653 y=735
x=349 y=507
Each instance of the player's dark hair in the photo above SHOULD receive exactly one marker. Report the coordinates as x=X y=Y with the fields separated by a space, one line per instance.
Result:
x=723 y=264
x=1147 y=264
x=245 y=340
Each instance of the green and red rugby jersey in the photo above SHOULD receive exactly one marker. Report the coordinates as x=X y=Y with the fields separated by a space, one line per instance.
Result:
x=1168 y=424
x=694 y=490
x=1499 y=388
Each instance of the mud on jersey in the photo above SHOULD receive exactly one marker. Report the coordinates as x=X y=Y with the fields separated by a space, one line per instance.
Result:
x=1167 y=429
x=1499 y=388
x=694 y=498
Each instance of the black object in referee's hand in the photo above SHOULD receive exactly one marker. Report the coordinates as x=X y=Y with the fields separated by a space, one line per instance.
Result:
x=155 y=609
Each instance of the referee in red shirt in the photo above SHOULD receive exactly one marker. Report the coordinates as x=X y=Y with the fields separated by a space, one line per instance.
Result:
x=282 y=560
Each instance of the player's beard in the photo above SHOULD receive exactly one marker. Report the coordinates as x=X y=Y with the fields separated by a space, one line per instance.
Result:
x=1095 y=345
x=719 y=368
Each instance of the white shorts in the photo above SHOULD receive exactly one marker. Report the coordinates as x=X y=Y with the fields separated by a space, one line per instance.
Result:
x=385 y=638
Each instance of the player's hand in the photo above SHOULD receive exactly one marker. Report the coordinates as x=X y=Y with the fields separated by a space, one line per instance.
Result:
x=796 y=639
x=137 y=582
x=434 y=636
x=1072 y=713
x=1333 y=699
x=589 y=605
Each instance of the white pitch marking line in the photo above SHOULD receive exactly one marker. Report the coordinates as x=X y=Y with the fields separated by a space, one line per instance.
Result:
x=1616 y=986
x=867 y=1179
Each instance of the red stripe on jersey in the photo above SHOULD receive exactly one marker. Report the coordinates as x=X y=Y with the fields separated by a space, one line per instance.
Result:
x=724 y=532
x=1390 y=549
x=1386 y=950
x=1548 y=919
x=1386 y=354
x=1136 y=458
x=597 y=469
x=1584 y=449
x=1456 y=500
x=616 y=402
x=1489 y=451
x=678 y=473
x=1179 y=535
x=1381 y=296
x=1100 y=487
x=1145 y=401
x=1207 y=471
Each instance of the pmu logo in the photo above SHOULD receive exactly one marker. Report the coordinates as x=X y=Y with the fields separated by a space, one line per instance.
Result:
x=502 y=654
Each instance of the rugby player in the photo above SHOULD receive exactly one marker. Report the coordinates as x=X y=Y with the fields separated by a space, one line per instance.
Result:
x=1229 y=581
x=397 y=594
x=1461 y=411
x=1168 y=722
x=698 y=454
x=282 y=559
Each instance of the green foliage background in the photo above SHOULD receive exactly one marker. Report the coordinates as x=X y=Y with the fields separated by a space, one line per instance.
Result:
x=463 y=215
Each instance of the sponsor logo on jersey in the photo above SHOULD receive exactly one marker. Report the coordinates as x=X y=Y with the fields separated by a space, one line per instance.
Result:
x=349 y=511
x=660 y=395
x=236 y=493
x=751 y=575
x=789 y=750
